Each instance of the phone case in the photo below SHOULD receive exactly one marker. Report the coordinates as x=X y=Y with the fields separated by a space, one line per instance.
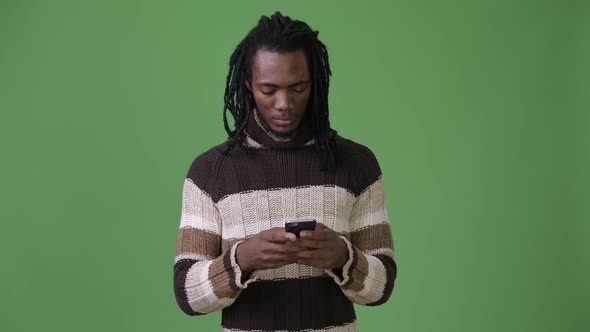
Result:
x=297 y=226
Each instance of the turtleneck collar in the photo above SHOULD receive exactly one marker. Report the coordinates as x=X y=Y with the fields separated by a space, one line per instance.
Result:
x=259 y=137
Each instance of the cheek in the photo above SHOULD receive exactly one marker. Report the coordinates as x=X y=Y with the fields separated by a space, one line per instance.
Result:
x=262 y=100
x=303 y=99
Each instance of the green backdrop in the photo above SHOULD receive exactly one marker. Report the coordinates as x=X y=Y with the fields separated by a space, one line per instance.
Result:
x=478 y=112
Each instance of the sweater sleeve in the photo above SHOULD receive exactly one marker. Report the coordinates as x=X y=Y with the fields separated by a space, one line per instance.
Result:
x=205 y=279
x=368 y=276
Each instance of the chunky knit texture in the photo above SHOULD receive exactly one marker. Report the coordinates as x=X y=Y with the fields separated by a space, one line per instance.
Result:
x=229 y=198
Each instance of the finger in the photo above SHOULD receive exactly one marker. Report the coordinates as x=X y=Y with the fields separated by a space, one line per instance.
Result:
x=308 y=244
x=321 y=232
x=317 y=235
x=279 y=235
x=320 y=226
x=311 y=254
x=285 y=249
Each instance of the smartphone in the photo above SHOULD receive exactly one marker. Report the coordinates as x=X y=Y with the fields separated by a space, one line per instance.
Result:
x=297 y=226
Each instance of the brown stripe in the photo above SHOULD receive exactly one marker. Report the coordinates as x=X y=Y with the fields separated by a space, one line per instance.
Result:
x=292 y=304
x=230 y=271
x=219 y=278
x=240 y=172
x=358 y=273
x=373 y=237
x=197 y=241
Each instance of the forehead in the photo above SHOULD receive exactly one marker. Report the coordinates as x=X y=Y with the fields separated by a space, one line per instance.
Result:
x=279 y=68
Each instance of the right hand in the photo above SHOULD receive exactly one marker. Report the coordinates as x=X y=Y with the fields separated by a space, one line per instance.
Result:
x=268 y=249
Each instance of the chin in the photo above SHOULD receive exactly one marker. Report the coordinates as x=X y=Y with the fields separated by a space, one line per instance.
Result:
x=282 y=131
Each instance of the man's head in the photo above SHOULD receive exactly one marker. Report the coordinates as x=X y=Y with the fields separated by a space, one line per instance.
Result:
x=280 y=85
x=282 y=69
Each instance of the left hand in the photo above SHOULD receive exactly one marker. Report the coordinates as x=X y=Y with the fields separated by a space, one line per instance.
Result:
x=324 y=248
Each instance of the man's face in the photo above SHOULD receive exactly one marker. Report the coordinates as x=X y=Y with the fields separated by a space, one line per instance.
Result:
x=281 y=87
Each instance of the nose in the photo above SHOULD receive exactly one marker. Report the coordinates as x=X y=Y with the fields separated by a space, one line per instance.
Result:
x=283 y=101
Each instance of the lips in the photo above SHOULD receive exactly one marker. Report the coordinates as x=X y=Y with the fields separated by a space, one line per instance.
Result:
x=283 y=122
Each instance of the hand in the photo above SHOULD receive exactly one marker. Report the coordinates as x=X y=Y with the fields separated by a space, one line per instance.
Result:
x=322 y=248
x=267 y=250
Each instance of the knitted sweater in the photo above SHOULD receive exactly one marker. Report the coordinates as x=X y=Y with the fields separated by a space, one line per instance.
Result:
x=229 y=198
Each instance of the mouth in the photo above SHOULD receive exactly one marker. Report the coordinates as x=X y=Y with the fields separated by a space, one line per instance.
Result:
x=282 y=122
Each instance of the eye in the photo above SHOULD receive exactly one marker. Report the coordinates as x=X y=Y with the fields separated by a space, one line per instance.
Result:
x=300 y=88
x=268 y=93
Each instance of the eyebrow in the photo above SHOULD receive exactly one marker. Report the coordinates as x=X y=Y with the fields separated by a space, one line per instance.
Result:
x=276 y=86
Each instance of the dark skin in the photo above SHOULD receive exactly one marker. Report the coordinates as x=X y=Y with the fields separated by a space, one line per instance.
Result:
x=321 y=248
x=281 y=88
x=273 y=248
x=281 y=91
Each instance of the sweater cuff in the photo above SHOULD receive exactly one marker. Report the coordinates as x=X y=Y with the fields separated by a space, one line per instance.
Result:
x=342 y=276
x=238 y=271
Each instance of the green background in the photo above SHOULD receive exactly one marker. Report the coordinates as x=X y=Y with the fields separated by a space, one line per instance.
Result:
x=478 y=112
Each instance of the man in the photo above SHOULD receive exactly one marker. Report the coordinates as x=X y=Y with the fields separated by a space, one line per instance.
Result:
x=282 y=162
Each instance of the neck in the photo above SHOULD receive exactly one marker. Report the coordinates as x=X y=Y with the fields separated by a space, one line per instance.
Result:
x=260 y=136
x=276 y=137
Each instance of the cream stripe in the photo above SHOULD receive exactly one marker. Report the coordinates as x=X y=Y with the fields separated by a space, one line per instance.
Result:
x=374 y=282
x=382 y=251
x=196 y=257
x=290 y=271
x=198 y=209
x=369 y=207
x=199 y=290
x=252 y=143
x=351 y=327
x=294 y=271
x=248 y=213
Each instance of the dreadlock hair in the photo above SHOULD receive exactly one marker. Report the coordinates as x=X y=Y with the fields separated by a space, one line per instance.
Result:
x=280 y=34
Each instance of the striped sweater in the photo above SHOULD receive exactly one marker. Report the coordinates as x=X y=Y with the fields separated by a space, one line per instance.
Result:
x=229 y=198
